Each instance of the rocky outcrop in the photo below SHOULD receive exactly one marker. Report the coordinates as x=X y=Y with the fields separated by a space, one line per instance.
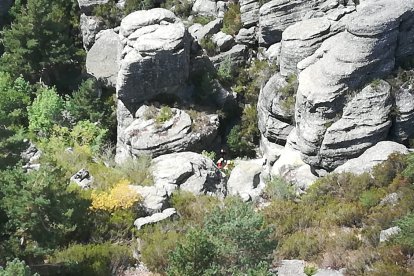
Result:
x=156 y=131
x=90 y=27
x=101 y=60
x=365 y=121
x=154 y=56
x=387 y=234
x=31 y=157
x=372 y=157
x=223 y=41
x=291 y=168
x=187 y=171
x=297 y=268
x=154 y=218
x=83 y=179
x=245 y=179
x=301 y=40
x=272 y=54
x=205 y=8
x=237 y=56
x=402 y=129
x=249 y=13
x=274 y=114
x=211 y=28
x=247 y=36
x=276 y=15
x=345 y=62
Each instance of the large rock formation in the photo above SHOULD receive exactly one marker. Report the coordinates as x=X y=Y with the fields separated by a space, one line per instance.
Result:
x=151 y=134
x=402 y=129
x=365 y=121
x=90 y=27
x=154 y=56
x=246 y=180
x=372 y=157
x=302 y=39
x=187 y=171
x=249 y=10
x=274 y=114
x=344 y=62
x=101 y=60
x=276 y=15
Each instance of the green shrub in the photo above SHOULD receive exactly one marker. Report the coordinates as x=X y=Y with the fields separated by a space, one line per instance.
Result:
x=406 y=237
x=288 y=94
x=215 y=249
x=310 y=270
x=85 y=133
x=238 y=144
x=16 y=268
x=157 y=242
x=136 y=5
x=207 y=44
x=371 y=197
x=225 y=71
x=209 y=154
x=278 y=188
x=181 y=8
x=232 y=20
x=203 y=20
x=164 y=115
x=94 y=259
x=109 y=13
x=45 y=111
x=300 y=245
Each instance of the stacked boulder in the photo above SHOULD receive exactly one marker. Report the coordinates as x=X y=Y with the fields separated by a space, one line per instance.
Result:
x=364 y=51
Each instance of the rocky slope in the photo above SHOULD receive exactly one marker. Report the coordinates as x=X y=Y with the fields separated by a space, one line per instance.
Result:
x=326 y=103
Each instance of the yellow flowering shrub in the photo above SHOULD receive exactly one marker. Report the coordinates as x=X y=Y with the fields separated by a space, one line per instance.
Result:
x=121 y=196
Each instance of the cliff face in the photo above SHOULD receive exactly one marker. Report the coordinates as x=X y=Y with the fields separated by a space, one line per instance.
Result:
x=334 y=48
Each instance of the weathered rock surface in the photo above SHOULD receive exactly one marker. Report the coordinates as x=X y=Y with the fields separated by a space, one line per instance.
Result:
x=245 y=179
x=90 y=27
x=209 y=29
x=402 y=129
x=247 y=36
x=301 y=40
x=223 y=41
x=83 y=179
x=31 y=157
x=101 y=60
x=187 y=171
x=237 y=56
x=365 y=121
x=371 y=157
x=386 y=234
x=154 y=44
x=249 y=10
x=344 y=62
x=291 y=168
x=196 y=174
x=157 y=217
x=276 y=15
x=297 y=267
x=273 y=53
x=275 y=119
x=180 y=132
x=205 y=8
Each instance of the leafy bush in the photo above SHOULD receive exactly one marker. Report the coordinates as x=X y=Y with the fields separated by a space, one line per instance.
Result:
x=225 y=71
x=109 y=13
x=94 y=259
x=207 y=44
x=181 y=8
x=300 y=245
x=278 y=188
x=406 y=236
x=135 y=5
x=164 y=115
x=121 y=196
x=232 y=19
x=16 y=268
x=238 y=144
x=216 y=248
x=209 y=154
x=203 y=20
x=45 y=111
x=289 y=93
x=85 y=133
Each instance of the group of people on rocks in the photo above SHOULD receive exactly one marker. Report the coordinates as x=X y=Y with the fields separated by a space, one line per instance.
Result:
x=223 y=163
